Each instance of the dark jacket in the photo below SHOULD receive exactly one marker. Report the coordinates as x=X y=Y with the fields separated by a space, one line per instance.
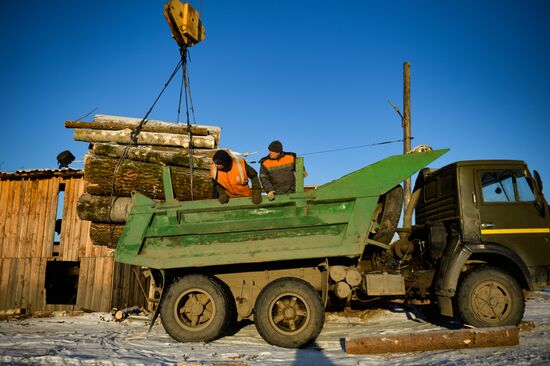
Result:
x=279 y=174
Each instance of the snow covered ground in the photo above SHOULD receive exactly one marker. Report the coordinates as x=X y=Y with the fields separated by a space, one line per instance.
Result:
x=95 y=339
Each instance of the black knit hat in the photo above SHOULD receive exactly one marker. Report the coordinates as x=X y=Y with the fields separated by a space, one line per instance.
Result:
x=223 y=158
x=276 y=146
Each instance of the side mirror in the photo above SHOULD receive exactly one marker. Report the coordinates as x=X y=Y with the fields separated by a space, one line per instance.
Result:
x=538 y=180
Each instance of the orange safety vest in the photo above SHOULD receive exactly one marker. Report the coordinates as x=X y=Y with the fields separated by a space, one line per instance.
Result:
x=235 y=181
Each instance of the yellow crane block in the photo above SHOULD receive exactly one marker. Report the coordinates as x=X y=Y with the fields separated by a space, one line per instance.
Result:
x=185 y=23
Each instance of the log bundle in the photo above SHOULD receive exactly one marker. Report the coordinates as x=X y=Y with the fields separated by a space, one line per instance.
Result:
x=138 y=167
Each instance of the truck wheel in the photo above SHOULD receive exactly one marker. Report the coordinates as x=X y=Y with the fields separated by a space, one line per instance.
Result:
x=490 y=297
x=196 y=308
x=391 y=212
x=289 y=313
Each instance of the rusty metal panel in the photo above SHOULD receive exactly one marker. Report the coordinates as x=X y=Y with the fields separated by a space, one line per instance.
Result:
x=385 y=284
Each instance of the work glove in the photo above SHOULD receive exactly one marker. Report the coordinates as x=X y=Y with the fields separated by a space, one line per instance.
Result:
x=223 y=197
x=271 y=195
x=256 y=196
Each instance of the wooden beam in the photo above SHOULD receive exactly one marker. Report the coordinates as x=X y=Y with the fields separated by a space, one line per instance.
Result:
x=407 y=128
x=429 y=341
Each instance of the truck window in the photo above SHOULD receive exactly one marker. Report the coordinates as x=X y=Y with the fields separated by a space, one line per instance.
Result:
x=525 y=190
x=506 y=186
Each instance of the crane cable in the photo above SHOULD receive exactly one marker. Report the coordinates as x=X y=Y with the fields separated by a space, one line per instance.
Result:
x=133 y=141
x=186 y=87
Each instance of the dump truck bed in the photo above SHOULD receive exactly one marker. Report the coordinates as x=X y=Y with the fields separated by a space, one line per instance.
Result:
x=333 y=220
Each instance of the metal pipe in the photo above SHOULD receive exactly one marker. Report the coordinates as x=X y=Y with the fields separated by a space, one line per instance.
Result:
x=407 y=218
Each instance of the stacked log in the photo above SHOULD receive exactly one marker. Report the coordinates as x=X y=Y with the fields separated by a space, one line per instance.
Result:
x=138 y=167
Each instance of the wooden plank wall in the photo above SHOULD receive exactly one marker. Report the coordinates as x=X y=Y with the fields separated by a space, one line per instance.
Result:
x=27 y=228
x=27 y=217
x=126 y=289
x=22 y=284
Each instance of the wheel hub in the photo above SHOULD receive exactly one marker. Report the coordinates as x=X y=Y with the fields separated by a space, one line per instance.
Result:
x=195 y=309
x=491 y=301
x=289 y=313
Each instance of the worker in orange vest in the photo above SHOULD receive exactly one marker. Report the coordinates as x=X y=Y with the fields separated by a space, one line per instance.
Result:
x=277 y=171
x=230 y=177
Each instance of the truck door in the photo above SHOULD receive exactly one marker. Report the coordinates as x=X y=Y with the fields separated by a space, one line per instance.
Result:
x=510 y=217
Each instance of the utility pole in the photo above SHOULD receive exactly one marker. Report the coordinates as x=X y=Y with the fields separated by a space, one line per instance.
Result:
x=406 y=124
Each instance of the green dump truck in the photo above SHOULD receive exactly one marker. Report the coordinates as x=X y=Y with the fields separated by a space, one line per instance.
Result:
x=481 y=236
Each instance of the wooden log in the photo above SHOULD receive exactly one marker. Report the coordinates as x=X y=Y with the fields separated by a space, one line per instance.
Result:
x=429 y=341
x=143 y=177
x=105 y=234
x=98 y=208
x=114 y=125
x=204 y=152
x=151 y=155
x=122 y=314
x=179 y=149
x=144 y=138
x=212 y=130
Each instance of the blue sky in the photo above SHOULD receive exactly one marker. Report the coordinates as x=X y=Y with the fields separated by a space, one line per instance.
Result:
x=316 y=75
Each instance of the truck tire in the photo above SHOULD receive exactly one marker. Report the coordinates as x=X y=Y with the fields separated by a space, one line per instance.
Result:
x=196 y=308
x=490 y=297
x=389 y=217
x=289 y=313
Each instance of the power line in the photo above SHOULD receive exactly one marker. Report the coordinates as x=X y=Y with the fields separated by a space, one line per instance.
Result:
x=345 y=148
x=353 y=147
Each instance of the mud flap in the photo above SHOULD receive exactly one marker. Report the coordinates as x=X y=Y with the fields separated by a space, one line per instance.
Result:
x=449 y=271
x=157 y=310
x=324 y=282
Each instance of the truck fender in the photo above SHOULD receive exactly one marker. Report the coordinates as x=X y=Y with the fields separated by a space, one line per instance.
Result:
x=493 y=248
x=453 y=261
x=450 y=266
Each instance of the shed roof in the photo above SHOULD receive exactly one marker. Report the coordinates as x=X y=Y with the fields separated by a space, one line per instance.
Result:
x=41 y=174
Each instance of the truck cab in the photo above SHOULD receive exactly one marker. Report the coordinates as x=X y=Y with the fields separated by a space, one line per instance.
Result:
x=497 y=228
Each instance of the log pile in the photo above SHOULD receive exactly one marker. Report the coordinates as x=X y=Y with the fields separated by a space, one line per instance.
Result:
x=107 y=201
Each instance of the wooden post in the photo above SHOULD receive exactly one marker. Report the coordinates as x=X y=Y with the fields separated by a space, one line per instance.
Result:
x=406 y=124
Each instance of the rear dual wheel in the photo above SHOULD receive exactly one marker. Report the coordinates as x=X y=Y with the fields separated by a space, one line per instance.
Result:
x=289 y=313
x=196 y=308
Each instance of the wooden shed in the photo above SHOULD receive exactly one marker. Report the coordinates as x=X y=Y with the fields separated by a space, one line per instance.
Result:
x=47 y=261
